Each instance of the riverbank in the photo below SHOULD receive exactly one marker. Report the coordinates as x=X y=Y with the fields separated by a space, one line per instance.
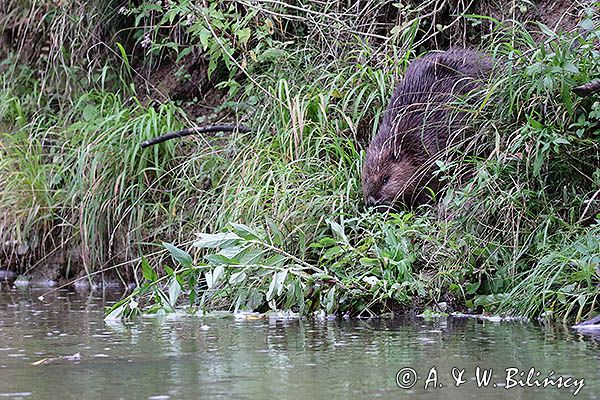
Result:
x=80 y=198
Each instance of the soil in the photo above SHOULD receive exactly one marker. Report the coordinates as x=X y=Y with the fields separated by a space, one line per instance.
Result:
x=186 y=83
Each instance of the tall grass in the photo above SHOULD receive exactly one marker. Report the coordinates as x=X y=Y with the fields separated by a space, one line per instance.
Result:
x=80 y=179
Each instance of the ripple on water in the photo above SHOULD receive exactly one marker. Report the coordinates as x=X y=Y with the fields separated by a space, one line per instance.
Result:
x=16 y=395
x=175 y=358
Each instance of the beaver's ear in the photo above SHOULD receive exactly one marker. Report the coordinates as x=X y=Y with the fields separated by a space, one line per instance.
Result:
x=395 y=156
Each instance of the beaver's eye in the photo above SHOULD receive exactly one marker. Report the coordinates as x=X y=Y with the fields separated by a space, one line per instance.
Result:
x=385 y=180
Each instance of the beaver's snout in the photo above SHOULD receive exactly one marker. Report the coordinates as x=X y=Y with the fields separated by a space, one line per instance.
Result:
x=371 y=202
x=376 y=202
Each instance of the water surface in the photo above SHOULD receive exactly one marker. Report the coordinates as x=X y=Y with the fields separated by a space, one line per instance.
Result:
x=224 y=358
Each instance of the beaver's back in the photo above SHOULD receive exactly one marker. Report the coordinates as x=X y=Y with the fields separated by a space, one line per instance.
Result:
x=420 y=108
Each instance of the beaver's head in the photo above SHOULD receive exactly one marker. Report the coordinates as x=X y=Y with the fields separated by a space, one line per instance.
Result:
x=390 y=176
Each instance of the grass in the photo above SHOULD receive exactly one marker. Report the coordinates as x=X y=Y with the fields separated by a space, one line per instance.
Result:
x=279 y=209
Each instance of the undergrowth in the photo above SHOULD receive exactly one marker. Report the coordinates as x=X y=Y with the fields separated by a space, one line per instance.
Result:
x=278 y=211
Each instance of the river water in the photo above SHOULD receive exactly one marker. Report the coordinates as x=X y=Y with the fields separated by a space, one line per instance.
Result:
x=185 y=357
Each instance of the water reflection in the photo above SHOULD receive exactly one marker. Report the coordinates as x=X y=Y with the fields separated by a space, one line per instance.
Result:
x=189 y=358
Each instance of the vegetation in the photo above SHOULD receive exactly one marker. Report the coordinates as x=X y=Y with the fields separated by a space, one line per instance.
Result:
x=278 y=211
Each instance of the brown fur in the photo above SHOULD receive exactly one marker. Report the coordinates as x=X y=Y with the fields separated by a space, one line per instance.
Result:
x=421 y=121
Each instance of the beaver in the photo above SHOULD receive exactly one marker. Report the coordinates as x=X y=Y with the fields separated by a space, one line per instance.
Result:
x=420 y=123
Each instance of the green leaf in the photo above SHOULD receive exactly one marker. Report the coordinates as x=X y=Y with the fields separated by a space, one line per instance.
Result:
x=368 y=262
x=204 y=35
x=212 y=277
x=272 y=287
x=276 y=285
x=250 y=256
x=534 y=123
x=244 y=231
x=178 y=255
x=243 y=35
x=209 y=240
x=232 y=252
x=323 y=242
x=123 y=54
x=254 y=299
x=208 y=275
x=89 y=112
x=116 y=313
x=299 y=295
x=329 y=254
x=281 y=276
x=547 y=31
x=174 y=292
x=587 y=24
x=570 y=67
x=219 y=259
x=338 y=230
x=327 y=241
x=276 y=235
x=183 y=53
x=147 y=271
x=471 y=288
x=237 y=278
x=276 y=260
x=330 y=300
x=213 y=62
